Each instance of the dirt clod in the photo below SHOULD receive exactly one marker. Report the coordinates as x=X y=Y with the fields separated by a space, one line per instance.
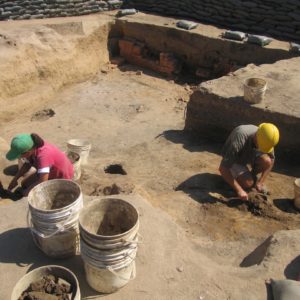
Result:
x=114 y=222
x=43 y=115
x=48 y=288
x=62 y=199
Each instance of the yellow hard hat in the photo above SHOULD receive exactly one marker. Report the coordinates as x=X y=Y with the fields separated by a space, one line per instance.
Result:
x=267 y=137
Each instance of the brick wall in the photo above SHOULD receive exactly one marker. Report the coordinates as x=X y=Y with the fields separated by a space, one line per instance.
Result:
x=39 y=9
x=276 y=18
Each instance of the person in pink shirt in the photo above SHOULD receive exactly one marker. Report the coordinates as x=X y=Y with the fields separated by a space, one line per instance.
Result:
x=48 y=161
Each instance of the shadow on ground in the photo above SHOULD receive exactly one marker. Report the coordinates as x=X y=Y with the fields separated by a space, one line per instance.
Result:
x=191 y=142
x=17 y=247
x=286 y=205
x=292 y=270
x=208 y=188
x=257 y=255
x=11 y=170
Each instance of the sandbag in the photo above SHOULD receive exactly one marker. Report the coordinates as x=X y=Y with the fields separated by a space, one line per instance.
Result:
x=188 y=25
x=126 y=12
x=234 y=35
x=285 y=289
x=294 y=47
x=259 y=40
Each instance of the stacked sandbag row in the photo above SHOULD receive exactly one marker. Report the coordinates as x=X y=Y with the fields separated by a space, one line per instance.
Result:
x=275 y=18
x=39 y=9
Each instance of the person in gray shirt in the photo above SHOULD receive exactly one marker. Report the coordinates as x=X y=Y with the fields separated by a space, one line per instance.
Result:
x=247 y=152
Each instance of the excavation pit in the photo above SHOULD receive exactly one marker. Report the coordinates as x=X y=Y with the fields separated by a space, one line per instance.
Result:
x=136 y=114
x=115 y=169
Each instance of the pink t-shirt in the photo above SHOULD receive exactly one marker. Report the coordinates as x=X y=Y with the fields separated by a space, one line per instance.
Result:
x=51 y=157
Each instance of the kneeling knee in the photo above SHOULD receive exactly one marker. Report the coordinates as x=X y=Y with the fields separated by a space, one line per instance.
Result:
x=266 y=161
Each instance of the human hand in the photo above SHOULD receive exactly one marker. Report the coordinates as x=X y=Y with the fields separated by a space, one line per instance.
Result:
x=12 y=184
x=261 y=188
x=242 y=195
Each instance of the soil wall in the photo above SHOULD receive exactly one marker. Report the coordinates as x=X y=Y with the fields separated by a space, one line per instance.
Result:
x=39 y=9
x=214 y=117
x=218 y=106
x=195 y=49
x=46 y=59
x=280 y=19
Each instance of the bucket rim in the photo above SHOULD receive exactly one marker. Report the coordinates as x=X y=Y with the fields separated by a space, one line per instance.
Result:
x=107 y=237
x=74 y=143
x=49 y=267
x=53 y=182
x=246 y=81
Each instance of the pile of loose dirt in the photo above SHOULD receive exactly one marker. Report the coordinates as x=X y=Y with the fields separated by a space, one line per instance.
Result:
x=48 y=288
x=62 y=199
x=113 y=223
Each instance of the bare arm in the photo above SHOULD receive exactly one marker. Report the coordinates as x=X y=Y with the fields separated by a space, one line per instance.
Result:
x=14 y=182
x=42 y=177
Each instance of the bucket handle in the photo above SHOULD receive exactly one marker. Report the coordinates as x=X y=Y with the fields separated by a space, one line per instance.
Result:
x=60 y=228
x=132 y=275
x=135 y=242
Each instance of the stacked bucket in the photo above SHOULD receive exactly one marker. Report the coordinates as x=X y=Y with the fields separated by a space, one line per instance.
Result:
x=106 y=231
x=108 y=241
x=54 y=208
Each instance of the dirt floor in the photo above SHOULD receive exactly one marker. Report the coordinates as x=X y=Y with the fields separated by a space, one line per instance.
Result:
x=134 y=118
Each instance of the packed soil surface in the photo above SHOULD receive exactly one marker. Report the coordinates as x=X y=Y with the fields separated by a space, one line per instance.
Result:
x=134 y=119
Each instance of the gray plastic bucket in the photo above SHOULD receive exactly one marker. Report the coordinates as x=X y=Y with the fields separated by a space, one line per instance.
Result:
x=81 y=147
x=54 y=207
x=254 y=90
x=109 y=241
x=36 y=274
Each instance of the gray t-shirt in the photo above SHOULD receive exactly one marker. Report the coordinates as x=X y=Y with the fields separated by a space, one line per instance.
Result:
x=240 y=147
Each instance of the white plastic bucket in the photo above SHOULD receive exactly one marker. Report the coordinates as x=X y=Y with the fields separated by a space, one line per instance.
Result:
x=54 y=207
x=108 y=280
x=106 y=273
x=297 y=193
x=37 y=274
x=81 y=147
x=76 y=162
x=109 y=242
x=107 y=257
x=254 y=90
x=115 y=211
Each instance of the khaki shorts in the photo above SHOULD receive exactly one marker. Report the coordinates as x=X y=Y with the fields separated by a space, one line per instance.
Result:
x=237 y=170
